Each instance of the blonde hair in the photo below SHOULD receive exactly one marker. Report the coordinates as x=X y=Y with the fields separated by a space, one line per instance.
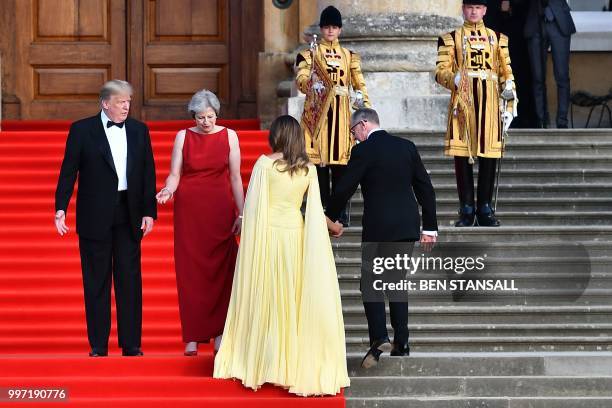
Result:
x=286 y=137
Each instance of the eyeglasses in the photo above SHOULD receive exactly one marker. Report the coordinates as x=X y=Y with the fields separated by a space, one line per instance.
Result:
x=352 y=129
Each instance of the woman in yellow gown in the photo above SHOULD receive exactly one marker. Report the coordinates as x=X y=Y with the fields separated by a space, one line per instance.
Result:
x=284 y=324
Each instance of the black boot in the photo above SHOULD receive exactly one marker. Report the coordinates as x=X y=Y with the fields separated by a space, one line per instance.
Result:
x=485 y=216
x=465 y=188
x=466 y=216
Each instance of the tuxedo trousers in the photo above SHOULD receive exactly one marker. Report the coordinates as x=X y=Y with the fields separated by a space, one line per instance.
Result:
x=116 y=259
x=374 y=300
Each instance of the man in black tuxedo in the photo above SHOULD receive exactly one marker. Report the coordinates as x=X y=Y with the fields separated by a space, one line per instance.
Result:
x=116 y=206
x=549 y=23
x=391 y=174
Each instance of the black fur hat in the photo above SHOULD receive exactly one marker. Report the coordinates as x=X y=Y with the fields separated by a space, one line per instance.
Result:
x=475 y=2
x=330 y=16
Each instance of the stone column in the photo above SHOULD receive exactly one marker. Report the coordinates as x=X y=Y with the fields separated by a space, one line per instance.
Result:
x=283 y=31
x=397 y=41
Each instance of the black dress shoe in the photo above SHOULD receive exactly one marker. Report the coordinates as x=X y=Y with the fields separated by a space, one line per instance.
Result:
x=400 y=350
x=485 y=217
x=132 y=352
x=373 y=355
x=466 y=216
x=98 y=353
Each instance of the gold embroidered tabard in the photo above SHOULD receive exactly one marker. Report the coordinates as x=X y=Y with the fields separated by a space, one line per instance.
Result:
x=333 y=143
x=482 y=58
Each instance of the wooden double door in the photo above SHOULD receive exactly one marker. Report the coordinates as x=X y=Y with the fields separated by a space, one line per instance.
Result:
x=167 y=49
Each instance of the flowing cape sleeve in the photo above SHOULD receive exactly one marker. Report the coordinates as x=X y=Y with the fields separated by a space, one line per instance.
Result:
x=248 y=281
x=322 y=359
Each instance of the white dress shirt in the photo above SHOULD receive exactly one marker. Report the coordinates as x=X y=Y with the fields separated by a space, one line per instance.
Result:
x=117 y=139
x=432 y=233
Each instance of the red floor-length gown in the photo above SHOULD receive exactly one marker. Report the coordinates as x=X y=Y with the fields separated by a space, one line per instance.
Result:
x=204 y=247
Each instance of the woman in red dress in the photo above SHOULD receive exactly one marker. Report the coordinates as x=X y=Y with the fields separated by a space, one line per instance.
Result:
x=208 y=200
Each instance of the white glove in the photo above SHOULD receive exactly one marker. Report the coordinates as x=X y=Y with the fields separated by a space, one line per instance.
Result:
x=358 y=100
x=507 y=118
x=508 y=92
x=457 y=79
x=318 y=86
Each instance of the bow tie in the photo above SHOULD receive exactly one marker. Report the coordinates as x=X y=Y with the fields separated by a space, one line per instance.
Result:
x=110 y=123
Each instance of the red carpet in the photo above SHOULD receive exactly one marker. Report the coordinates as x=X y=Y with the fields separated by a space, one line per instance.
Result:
x=174 y=125
x=43 y=338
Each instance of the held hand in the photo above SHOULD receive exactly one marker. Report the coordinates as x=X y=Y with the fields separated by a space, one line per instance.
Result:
x=336 y=229
x=237 y=227
x=427 y=242
x=147 y=225
x=60 y=223
x=163 y=196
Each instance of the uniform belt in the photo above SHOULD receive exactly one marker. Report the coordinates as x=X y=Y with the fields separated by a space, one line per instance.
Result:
x=484 y=75
x=341 y=90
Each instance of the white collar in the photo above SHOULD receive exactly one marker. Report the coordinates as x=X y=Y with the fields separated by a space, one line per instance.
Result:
x=106 y=119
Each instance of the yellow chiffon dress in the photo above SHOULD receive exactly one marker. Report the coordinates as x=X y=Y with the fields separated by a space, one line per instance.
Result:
x=284 y=324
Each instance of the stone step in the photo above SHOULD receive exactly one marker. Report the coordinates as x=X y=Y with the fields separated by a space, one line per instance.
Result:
x=461 y=364
x=559 y=190
x=557 y=162
x=508 y=234
x=477 y=387
x=452 y=313
x=519 y=218
x=529 y=148
x=526 y=284
x=523 y=296
x=483 y=402
x=515 y=250
x=524 y=190
x=538 y=177
x=535 y=136
x=494 y=344
x=461 y=330
x=551 y=272
x=507 y=202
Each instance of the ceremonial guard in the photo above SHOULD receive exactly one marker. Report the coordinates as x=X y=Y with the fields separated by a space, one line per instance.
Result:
x=327 y=73
x=474 y=64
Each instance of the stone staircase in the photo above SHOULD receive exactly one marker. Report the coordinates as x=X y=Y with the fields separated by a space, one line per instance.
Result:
x=550 y=343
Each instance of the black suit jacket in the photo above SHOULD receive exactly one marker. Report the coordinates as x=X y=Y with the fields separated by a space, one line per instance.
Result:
x=391 y=174
x=563 y=18
x=88 y=154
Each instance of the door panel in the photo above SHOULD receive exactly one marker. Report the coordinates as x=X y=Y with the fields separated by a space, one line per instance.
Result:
x=168 y=49
x=67 y=49
x=185 y=47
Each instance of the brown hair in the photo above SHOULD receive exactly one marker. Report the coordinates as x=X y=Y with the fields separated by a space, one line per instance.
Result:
x=286 y=137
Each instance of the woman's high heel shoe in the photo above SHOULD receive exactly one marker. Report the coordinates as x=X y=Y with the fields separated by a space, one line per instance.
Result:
x=191 y=353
